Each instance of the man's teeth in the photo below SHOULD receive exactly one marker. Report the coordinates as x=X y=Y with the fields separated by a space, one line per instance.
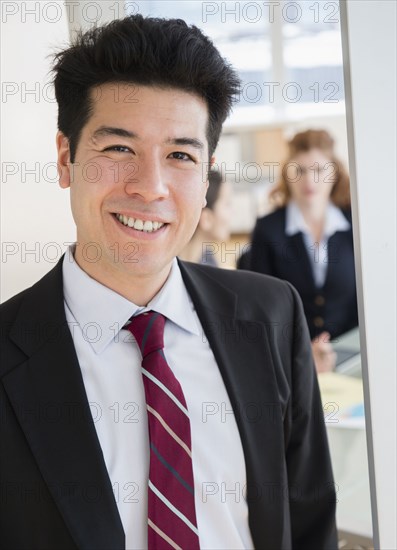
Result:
x=140 y=225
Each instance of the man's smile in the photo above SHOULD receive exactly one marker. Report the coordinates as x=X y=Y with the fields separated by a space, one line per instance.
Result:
x=138 y=224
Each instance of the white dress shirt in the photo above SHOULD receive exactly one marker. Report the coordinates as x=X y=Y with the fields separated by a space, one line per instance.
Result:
x=110 y=362
x=317 y=251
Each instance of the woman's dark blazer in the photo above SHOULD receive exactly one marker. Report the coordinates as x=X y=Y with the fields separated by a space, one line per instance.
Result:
x=333 y=307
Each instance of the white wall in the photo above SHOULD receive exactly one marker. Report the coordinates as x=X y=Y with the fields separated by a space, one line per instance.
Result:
x=34 y=210
x=369 y=43
x=86 y=13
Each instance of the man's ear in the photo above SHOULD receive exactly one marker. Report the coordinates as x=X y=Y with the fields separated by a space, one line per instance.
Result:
x=63 y=162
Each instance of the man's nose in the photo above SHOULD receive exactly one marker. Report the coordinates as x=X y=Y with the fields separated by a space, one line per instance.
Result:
x=147 y=179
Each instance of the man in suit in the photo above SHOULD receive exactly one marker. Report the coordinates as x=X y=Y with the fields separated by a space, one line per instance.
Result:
x=141 y=106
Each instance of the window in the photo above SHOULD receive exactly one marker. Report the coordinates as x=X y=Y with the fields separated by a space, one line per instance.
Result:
x=288 y=54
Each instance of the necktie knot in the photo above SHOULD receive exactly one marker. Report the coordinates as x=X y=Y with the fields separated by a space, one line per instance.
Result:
x=148 y=330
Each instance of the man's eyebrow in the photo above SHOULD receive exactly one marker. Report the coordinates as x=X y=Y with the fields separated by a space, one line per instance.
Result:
x=104 y=131
x=193 y=142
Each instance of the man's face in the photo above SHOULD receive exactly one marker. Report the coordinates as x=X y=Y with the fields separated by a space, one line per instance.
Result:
x=141 y=158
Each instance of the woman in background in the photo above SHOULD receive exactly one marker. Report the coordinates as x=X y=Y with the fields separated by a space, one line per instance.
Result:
x=214 y=225
x=308 y=239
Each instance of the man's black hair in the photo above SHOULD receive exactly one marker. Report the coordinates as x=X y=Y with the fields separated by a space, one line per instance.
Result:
x=167 y=53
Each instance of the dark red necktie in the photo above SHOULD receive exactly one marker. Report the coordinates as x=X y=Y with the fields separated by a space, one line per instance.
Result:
x=171 y=511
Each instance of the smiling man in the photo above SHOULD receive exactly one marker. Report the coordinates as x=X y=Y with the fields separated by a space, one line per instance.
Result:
x=149 y=402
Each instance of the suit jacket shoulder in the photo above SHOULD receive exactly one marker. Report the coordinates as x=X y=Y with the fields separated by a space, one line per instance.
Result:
x=348 y=214
x=258 y=296
x=9 y=309
x=273 y=222
x=29 y=317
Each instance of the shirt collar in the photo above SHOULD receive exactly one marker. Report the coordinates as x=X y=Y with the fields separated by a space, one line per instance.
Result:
x=174 y=302
x=101 y=312
x=334 y=220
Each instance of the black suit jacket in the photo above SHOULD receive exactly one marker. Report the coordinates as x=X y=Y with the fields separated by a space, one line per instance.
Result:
x=55 y=489
x=333 y=307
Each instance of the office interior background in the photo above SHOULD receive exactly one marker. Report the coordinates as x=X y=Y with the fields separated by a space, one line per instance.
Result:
x=304 y=64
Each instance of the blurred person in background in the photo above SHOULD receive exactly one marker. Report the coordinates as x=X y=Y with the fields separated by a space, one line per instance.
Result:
x=308 y=240
x=214 y=225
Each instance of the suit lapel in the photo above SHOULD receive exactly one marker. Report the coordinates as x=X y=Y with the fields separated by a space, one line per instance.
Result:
x=303 y=273
x=334 y=266
x=241 y=349
x=48 y=396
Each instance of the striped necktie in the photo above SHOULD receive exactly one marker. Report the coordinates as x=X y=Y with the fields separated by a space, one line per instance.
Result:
x=171 y=512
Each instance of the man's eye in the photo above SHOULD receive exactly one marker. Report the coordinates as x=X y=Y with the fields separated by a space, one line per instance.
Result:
x=178 y=155
x=118 y=149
